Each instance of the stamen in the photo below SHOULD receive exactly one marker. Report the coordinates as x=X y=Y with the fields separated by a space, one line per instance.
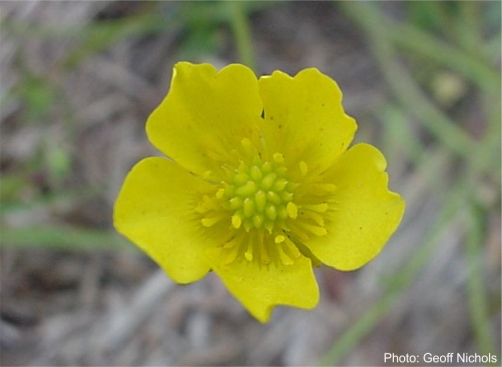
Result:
x=292 y=210
x=220 y=193
x=263 y=208
x=209 y=222
x=298 y=232
x=318 y=231
x=316 y=217
x=232 y=255
x=278 y=157
x=322 y=189
x=249 y=252
x=249 y=149
x=319 y=208
x=207 y=175
x=291 y=248
x=285 y=259
x=236 y=221
x=264 y=256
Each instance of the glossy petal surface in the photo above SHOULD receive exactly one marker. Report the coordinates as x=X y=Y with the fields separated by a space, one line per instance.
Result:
x=205 y=115
x=304 y=118
x=155 y=210
x=365 y=213
x=260 y=287
x=261 y=187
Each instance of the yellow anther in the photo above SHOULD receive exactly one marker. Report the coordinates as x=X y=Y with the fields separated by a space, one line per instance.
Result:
x=231 y=255
x=236 y=221
x=319 y=208
x=230 y=243
x=201 y=208
x=265 y=258
x=318 y=231
x=278 y=157
x=220 y=193
x=209 y=222
x=323 y=189
x=249 y=252
x=291 y=248
x=207 y=175
x=249 y=149
x=307 y=214
x=285 y=259
x=280 y=238
x=292 y=210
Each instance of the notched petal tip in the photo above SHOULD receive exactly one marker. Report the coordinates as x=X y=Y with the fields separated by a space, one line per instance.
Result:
x=205 y=114
x=305 y=119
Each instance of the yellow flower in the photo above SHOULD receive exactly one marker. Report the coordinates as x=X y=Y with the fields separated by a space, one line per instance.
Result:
x=261 y=186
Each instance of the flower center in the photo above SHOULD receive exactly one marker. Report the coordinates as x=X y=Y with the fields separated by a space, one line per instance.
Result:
x=260 y=212
x=259 y=196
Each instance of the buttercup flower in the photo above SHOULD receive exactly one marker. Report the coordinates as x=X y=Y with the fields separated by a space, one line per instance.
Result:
x=260 y=185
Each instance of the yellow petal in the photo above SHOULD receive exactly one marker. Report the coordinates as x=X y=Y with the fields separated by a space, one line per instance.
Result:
x=364 y=213
x=155 y=210
x=261 y=287
x=304 y=119
x=205 y=115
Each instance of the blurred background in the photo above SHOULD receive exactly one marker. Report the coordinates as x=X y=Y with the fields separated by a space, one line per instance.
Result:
x=78 y=81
